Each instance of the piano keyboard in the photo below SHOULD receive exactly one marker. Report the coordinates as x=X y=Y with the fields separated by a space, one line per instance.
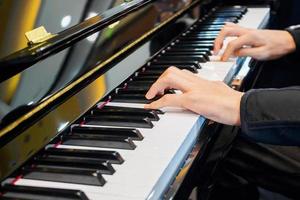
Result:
x=118 y=150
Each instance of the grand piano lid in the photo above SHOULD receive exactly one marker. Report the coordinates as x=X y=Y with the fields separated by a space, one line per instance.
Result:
x=32 y=107
x=36 y=51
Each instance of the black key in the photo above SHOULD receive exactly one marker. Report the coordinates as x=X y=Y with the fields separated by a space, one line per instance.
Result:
x=205 y=56
x=148 y=71
x=151 y=77
x=238 y=15
x=38 y=193
x=164 y=67
x=242 y=9
x=199 y=38
x=97 y=155
x=219 y=19
x=200 y=33
x=194 y=58
x=143 y=82
x=131 y=98
x=134 y=87
x=137 y=112
x=98 y=141
x=131 y=91
x=196 y=42
x=118 y=120
x=209 y=46
x=133 y=134
x=65 y=162
x=212 y=23
x=178 y=62
x=66 y=175
x=128 y=91
x=189 y=49
x=196 y=34
x=208 y=28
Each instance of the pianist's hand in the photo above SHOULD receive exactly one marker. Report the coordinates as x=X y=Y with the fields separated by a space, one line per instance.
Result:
x=259 y=44
x=212 y=99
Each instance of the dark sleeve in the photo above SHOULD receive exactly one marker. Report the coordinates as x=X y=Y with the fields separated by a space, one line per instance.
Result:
x=272 y=115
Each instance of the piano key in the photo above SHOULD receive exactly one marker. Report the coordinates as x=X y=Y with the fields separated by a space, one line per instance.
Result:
x=148 y=71
x=164 y=67
x=37 y=193
x=66 y=175
x=208 y=28
x=118 y=120
x=229 y=14
x=170 y=58
x=93 y=140
x=177 y=62
x=189 y=49
x=196 y=35
x=144 y=82
x=134 y=91
x=97 y=155
x=133 y=98
x=204 y=55
x=219 y=19
x=128 y=91
x=203 y=45
x=199 y=38
x=142 y=113
x=202 y=33
x=59 y=161
x=242 y=9
x=151 y=77
x=195 y=42
x=133 y=134
x=211 y=23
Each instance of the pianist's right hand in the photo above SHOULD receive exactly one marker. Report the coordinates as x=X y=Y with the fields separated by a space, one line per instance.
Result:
x=212 y=99
x=258 y=44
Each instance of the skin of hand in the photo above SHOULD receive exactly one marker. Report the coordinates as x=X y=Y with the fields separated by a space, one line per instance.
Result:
x=211 y=99
x=258 y=44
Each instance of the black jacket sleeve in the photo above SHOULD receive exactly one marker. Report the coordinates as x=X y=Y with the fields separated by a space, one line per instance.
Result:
x=272 y=115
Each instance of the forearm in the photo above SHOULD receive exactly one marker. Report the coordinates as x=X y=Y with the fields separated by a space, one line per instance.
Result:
x=272 y=115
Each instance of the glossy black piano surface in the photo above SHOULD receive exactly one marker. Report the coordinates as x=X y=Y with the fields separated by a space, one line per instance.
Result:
x=62 y=99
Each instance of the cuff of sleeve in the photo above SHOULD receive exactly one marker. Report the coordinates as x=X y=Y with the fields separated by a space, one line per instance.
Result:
x=243 y=111
x=295 y=32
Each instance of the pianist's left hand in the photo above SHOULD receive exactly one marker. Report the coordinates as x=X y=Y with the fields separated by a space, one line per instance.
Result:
x=212 y=99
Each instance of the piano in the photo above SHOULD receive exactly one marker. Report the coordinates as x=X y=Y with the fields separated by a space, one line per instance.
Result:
x=72 y=120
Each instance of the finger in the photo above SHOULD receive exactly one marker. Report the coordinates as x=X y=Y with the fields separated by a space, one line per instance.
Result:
x=168 y=100
x=225 y=32
x=236 y=45
x=171 y=78
x=257 y=52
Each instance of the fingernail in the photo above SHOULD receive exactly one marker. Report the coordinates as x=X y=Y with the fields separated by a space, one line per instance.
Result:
x=148 y=96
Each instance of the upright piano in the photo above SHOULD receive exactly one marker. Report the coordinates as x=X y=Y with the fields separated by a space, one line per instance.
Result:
x=73 y=124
